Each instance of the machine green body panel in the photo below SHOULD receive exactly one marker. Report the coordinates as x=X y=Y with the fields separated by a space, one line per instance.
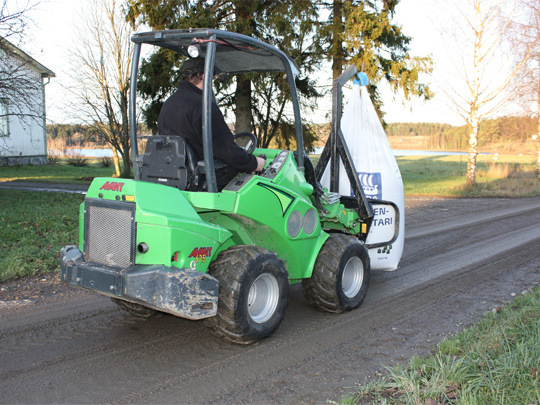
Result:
x=166 y=222
x=185 y=229
x=263 y=210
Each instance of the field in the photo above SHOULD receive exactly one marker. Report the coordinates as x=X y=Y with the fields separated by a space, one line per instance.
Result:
x=508 y=176
x=60 y=172
x=444 y=176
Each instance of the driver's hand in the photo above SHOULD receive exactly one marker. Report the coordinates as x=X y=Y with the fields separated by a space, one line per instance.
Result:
x=260 y=163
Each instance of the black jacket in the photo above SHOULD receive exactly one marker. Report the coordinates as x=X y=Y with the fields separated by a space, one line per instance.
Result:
x=181 y=115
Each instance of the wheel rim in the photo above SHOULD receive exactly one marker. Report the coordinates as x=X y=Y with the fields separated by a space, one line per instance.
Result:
x=353 y=277
x=263 y=298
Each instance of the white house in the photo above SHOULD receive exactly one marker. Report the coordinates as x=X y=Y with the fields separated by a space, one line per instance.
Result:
x=23 y=133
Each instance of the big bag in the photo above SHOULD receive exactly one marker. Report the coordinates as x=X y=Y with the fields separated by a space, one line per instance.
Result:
x=379 y=176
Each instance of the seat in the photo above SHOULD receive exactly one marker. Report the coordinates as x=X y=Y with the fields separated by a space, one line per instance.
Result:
x=170 y=160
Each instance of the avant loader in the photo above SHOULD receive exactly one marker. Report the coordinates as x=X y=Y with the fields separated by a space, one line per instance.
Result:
x=169 y=242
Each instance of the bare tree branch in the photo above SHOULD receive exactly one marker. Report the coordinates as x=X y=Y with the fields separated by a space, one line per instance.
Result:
x=101 y=64
x=20 y=85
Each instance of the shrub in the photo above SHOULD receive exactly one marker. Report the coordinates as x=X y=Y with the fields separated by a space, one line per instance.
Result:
x=104 y=161
x=77 y=160
x=52 y=158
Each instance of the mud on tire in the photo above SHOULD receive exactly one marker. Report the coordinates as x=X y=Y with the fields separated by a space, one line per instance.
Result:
x=253 y=294
x=341 y=275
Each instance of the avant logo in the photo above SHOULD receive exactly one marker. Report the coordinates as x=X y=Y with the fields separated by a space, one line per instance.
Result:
x=200 y=254
x=203 y=251
x=113 y=186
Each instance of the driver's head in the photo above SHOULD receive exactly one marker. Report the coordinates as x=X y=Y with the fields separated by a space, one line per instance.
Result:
x=193 y=69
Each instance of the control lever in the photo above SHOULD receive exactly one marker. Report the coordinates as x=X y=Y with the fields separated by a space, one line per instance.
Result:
x=262 y=155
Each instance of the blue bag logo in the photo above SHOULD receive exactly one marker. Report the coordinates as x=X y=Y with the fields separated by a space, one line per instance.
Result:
x=371 y=184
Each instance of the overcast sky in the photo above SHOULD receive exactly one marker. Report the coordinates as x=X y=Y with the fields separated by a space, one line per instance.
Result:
x=56 y=19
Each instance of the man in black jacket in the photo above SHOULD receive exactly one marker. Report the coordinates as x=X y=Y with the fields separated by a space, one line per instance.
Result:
x=181 y=115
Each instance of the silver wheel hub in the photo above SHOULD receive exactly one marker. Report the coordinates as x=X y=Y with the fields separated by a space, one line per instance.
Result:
x=352 y=277
x=263 y=298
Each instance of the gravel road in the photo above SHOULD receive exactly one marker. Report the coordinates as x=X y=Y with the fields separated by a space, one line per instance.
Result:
x=462 y=258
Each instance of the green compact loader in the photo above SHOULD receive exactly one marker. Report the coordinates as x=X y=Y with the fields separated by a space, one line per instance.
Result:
x=170 y=242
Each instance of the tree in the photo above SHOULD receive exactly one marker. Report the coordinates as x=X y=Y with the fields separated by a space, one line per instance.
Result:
x=362 y=32
x=357 y=31
x=483 y=24
x=101 y=64
x=525 y=41
x=259 y=103
x=19 y=87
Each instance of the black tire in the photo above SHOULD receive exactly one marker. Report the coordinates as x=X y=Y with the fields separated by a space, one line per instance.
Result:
x=340 y=277
x=253 y=294
x=136 y=310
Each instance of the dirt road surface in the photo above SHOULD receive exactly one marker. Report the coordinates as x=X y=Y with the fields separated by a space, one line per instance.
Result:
x=462 y=258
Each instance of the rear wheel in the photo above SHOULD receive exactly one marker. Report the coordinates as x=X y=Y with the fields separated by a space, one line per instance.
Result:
x=136 y=310
x=341 y=275
x=253 y=294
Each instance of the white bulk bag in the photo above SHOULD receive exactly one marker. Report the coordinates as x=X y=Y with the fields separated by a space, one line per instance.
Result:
x=379 y=175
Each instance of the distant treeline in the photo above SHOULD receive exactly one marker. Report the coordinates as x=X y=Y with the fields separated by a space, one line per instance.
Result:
x=80 y=135
x=75 y=134
x=448 y=137
x=440 y=136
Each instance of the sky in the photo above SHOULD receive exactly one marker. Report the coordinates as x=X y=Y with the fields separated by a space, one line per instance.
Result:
x=55 y=25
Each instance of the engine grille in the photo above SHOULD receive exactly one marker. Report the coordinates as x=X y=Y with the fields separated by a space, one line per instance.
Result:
x=109 y=233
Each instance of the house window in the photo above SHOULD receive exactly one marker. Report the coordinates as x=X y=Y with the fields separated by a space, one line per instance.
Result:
x=4 y=117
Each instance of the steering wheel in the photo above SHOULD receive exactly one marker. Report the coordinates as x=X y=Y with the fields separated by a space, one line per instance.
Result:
x=246 y=140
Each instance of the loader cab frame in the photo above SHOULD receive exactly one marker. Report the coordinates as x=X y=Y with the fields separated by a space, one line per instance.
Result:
x=234 y=54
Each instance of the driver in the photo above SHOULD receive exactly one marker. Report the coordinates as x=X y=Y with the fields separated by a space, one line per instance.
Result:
x=181 y=115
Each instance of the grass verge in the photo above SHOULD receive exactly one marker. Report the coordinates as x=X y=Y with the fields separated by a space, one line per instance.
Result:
x=61 y=172
x=495 y=362
x=35 y=226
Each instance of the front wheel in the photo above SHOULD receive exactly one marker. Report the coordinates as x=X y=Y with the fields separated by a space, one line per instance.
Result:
x=253 y=294
x=341 y=275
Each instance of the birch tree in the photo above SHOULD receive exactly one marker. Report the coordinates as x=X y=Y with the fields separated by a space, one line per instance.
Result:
x=101 y=63
x=485 y=71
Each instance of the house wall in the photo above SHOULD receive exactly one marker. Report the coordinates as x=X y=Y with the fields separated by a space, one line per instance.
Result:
x=26 y=142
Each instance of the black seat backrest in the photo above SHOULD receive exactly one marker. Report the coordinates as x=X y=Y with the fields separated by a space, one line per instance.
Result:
x=170 y=160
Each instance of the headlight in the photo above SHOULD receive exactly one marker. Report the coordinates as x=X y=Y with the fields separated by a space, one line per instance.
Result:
x=294 y=224
x=310 y=221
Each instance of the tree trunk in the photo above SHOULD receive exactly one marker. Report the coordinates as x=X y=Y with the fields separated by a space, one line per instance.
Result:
x=126 y=172
x=474 y=118
x=244 y=24
x=116 y=161
x=337 y=46
x=243 y=104
x=473 y=151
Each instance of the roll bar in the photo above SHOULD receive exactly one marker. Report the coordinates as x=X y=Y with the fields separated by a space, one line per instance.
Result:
x=167 y=39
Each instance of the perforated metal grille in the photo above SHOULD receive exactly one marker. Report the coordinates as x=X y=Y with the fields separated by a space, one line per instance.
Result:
x=109 y=234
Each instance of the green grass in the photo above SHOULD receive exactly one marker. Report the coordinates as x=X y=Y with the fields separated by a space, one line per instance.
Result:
x=35 y=226
x=444 y=176
x=58 y=173
x=509 y=176
x=495 y=362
